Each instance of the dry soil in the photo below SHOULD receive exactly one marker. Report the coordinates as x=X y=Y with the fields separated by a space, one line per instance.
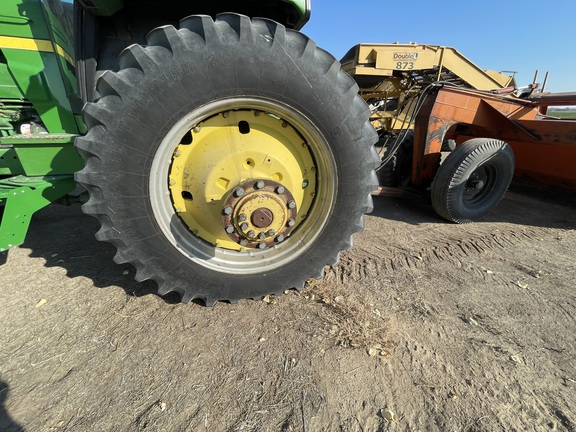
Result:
x=424 y=326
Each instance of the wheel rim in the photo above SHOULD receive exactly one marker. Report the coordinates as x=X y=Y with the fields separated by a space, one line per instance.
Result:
x=480 y=185
x=240 y=185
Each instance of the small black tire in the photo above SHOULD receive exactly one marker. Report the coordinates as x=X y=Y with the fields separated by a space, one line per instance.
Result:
x=206 y=73
x=398 y=170
x=472 y=180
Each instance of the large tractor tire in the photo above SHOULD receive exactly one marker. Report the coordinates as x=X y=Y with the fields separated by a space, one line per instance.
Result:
x=228 y=159
x=472 y=180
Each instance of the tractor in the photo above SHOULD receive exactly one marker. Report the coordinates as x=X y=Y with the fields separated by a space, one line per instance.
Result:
x=224 y=154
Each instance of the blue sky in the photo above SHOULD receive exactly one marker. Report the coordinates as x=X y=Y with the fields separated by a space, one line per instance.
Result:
x=501 y=35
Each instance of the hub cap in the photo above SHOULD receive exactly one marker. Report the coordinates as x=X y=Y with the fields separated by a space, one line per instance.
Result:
x=259 y=213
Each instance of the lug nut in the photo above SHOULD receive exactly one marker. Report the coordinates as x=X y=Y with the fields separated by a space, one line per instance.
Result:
x=244 y=226
x=228 y=210
x=229 y=229
x=271 y=233
x=262 y=236
x=251 y=234
x=280 y=238
x=238 y=193
x=261 y=245
x=291 y=205
x=243 y=242
x=280 y=190
x=259 y=184
x=242 y=217
x=291 y=222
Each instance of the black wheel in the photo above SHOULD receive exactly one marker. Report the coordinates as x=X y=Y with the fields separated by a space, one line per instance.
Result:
x=228 y=159
x=472 y=179
x=398 y=170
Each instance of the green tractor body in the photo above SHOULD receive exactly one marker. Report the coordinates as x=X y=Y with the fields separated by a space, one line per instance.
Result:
x=108 y=93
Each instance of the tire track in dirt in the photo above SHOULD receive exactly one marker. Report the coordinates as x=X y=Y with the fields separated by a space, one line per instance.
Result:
x=374 y=260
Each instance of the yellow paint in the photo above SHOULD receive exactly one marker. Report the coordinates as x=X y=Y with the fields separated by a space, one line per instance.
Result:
x=221 y=157
x=40 y=45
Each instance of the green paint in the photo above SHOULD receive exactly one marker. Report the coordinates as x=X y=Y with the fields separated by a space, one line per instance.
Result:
x=45 y=79
x=9 y=163
x=8 y=88
x=21 y=198
x=48 y=154
x=301 y=5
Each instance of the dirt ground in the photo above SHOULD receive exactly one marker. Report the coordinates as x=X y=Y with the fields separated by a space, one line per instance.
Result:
x=424 y=326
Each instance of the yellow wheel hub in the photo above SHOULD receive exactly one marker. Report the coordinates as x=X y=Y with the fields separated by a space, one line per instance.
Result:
x=242 y=179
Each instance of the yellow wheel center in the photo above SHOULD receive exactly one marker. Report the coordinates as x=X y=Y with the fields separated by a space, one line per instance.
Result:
x=242 y=179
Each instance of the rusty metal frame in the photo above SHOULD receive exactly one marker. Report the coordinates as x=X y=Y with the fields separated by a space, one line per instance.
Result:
x=544 y=146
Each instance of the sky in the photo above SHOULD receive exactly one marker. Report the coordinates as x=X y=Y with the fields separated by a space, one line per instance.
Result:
x=505 y=35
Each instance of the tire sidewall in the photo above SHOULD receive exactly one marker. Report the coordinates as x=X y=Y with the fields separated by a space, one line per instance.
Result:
x=450 y=183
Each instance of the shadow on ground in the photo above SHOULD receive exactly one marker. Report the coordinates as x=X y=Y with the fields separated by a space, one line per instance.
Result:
x=6 y=423
x=522 y=205
x=76 y=249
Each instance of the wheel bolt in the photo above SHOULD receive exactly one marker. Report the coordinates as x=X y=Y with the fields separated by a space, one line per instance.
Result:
x=261 y=245
x=244 y=226
x=228 y=210
x=271 y=233
x=229 y=229
x=291 y=222
x=242 y=217
x=243 y=242
x=259 y=184
x=251 y=234
x=291 y=205
x=280 y=190
x=280 y=238
x=262 y=236
x=238 y=193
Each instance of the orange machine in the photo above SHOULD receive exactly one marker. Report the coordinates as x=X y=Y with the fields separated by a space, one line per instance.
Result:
x=491 y=138
x=544 y=147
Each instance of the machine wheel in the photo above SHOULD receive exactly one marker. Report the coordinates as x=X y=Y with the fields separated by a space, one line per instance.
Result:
x=398 y=171
x=472 y=179
x=228 y=159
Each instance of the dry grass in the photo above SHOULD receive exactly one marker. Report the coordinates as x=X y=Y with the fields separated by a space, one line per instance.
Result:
x=352 y=319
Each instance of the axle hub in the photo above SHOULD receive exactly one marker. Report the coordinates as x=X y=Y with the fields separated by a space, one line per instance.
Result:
x=259 y=213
